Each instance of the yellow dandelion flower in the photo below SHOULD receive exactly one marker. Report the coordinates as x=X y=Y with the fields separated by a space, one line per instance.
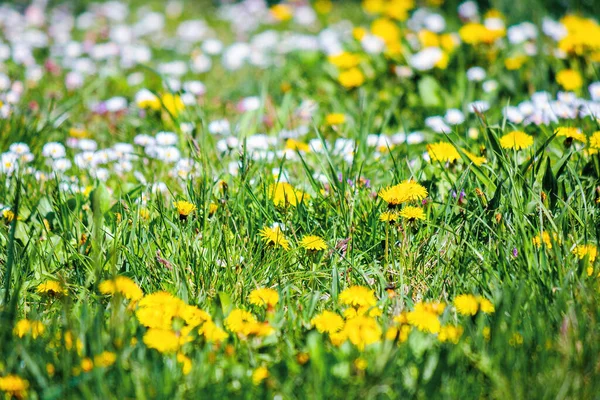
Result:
x=313 y=242
x=545 y=239
x=335 y=119
x=571 y=133
x=25 y=327
x=358 y=296
x=274 y=236
x=516 y=140
x=485 y=305
x=351 y=78
x=403 y=192
x=259 y=375
x=389 y=216
x=163 y=340
x=123 y=286
x=105 y=359
x=281 y=12
x=466 y=304
x=172 y=103
x=184 y=208
x=14 y=385
x=363 y=331
x=296 y=145
x=450 y=333
x=237 y=319
x=283 y=194
x=328 y=322
x=586 y=250
x=413 y=213
x=595 y=140
x=212 y=332
x=186 y=363
x=87 y=364
x=344 y=60
x=424 y=319
x=569 y=79
x=442 y=152
x=52 y=288
x=264 y=297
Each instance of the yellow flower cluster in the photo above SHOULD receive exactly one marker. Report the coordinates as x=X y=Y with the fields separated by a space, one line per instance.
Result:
x=123 y=286
x=468 y=304
x=245 y=324
x=583 y=36
x=446 y=152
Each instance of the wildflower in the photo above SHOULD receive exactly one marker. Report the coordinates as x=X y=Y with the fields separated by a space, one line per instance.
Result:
x=424 y=318
x=212 y=333
x=358 y=296
x=335 y=119
x=516 y=140
x=87 y=364
x=569 y=79
x=14 y=385
x=184 y=208
x=158 y=310
x=25 y=327
x=389 y=216
x=466 y=304
x=8 y=214
x=442 y=151
x=587 y=250
x=264 y=297
x=351 y=78
x=344 y=60
x=281 y=12
x=163 y=340
x=363 y=331
x=172 y=103
x=516 y=339
x=274 y=236
x=403 y=192
x=313 y=242
x=122 y=285
x=364 y=310
x=412 y=213
x=485 y=305
x=52 y=288
x=237 y=320
x=450 y=333
x=295 y=145
x=545 y=239
x=595 y=140
x=105 y=359
x=259 y=375
x=256 y=328
x=571 y=133
x=328 y=322
x=186 y=363
x=284 y=194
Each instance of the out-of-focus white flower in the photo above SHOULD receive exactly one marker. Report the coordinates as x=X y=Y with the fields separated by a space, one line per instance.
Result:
x=594 y=89
x=235 y=56
x=490 y=86
x=201 y=63
x=212 y=46
x=305 y=15
x=166 y=138
x=513 y=114
x=403 y=71
x=426 y=59
x=372 y=44
x=415 y=138
x=476 y=74
x=19 y=148
x=454 y=117
x=437 y=124
x=54 y=150
x=144 y=140
x=479 y=105
x=61 y=164
x=251 y=103
x=116 y=104
x=468 y=10
x=553 y=29
x=435 y=23
x=219 y=127
x=192 y=31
